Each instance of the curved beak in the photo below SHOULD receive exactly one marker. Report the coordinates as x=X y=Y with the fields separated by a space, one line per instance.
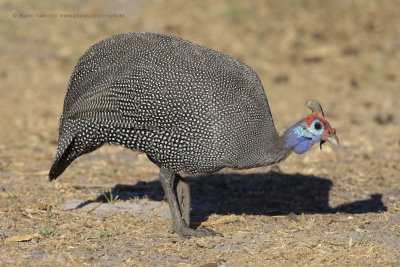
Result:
x=334 y=140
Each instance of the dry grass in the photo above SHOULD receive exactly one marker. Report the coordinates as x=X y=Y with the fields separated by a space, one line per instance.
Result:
x=336 y=207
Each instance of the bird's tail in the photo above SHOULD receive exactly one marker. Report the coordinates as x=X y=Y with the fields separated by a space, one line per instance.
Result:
x=64 y=156
x=67 y=148
x=72 y=144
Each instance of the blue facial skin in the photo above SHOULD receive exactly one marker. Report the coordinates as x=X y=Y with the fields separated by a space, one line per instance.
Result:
x=301 y=136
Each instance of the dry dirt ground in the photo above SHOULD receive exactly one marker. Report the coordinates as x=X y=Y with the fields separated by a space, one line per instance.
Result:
x=335 y=207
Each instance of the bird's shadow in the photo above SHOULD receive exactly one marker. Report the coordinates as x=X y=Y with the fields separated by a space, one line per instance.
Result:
x=270 y=193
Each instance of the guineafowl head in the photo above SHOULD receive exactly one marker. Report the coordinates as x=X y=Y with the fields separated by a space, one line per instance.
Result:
x=310 y=130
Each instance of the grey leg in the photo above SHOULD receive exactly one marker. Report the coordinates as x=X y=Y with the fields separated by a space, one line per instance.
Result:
x=168 y=182
x=184 y=199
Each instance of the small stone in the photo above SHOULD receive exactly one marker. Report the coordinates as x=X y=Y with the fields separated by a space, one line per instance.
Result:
x=281 y=78
x=383 y=118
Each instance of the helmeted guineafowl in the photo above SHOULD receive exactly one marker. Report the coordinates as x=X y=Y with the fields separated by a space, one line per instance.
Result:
x=187 y=107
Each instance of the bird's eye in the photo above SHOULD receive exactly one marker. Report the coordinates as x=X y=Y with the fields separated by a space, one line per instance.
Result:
x=317 y=126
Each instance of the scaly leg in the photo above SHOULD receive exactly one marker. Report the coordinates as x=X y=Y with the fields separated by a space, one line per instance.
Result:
x=184 y=199
x=168 y=182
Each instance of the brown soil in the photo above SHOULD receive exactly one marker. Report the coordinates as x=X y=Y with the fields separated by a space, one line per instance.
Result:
x=335 y=207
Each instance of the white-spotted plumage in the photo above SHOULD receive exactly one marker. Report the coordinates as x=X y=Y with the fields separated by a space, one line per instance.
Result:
x=189 y=108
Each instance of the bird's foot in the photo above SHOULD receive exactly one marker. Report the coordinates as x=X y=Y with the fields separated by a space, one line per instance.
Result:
x=187 y=232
